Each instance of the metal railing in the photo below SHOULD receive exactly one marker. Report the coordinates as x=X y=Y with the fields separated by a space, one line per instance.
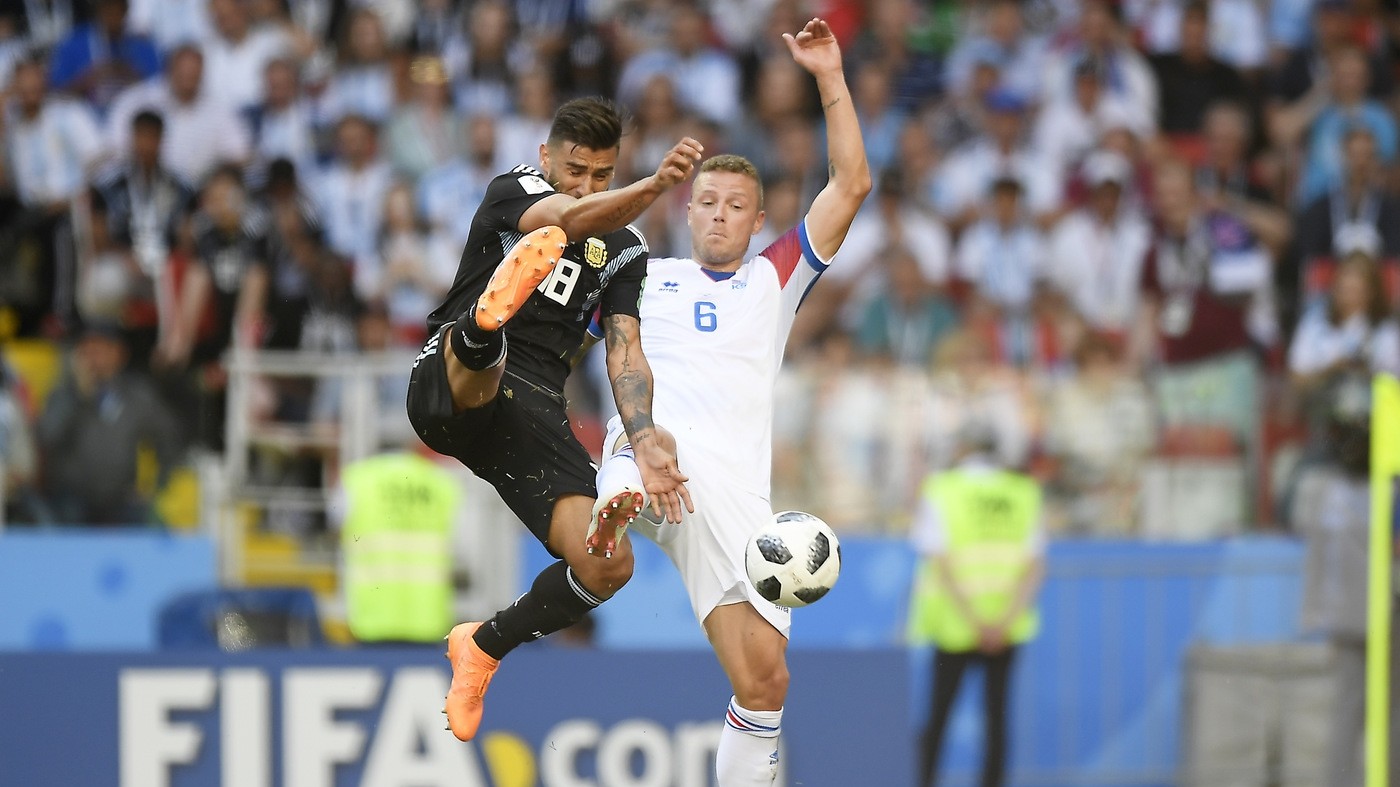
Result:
x=486 y=544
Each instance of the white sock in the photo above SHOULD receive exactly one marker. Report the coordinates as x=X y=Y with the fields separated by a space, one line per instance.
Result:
x=748 y=747
x=618 y=472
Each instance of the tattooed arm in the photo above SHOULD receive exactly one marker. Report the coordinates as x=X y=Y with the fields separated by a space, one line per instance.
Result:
x=632 y=386
x=611 y=210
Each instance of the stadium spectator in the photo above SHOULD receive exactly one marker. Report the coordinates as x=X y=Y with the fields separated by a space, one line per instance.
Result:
x=1069 y=127
x=136 y=214
x=658 y=120
x=461 y=181
x=282 y=125
x=907 y=315
x=362 y=84
x=413 y=279
x=1321 y=120
x=1191 y=79
x=1359 y=215
x=1003 y=255
x=237 y=55
x=780 y=95
x=980 y=538
x=91 y=428
x=100 y=59
x=295 y=239
x=532 y=112
x=1101 y=36
x=1096 y=253
x=1204 y=274
x=899 y=33
x=350 y=197
x=425 y=132
x=1231 y=31
x=970 y=384
x=37 y=26
x=223 y=300
x=50 y=142
x=1354 y=328
x=200 y=132
x=485 y=59
x=1099 y=430
x=171 y=24
x=1004 y=44
x=964 y=183
x=889 y=222
x=880 y=121
x=688 y=59
x=1303 y=74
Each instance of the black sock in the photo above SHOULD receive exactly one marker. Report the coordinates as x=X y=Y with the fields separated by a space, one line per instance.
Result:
x=475 y=348
x=557 y=600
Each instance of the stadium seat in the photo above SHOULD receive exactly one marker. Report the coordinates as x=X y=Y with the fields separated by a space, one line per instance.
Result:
x=240 y=619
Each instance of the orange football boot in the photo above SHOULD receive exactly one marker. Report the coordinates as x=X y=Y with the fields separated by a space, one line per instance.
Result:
x=472 y=671
x=525 y=265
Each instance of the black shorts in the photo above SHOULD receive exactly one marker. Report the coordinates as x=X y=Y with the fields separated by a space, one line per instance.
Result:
x=520 y=442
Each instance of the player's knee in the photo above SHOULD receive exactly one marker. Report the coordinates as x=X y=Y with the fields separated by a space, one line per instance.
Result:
x=765 y=686
x=604 y=576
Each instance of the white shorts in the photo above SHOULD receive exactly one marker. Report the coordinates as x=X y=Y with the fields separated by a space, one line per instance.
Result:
x=707 y=547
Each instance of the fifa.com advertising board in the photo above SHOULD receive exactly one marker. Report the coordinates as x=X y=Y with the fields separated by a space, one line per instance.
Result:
x=372 y=718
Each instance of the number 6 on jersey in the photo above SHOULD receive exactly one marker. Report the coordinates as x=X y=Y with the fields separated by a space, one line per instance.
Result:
x=705 y=318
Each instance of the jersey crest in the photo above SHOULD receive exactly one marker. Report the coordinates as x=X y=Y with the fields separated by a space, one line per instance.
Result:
x=595 y=252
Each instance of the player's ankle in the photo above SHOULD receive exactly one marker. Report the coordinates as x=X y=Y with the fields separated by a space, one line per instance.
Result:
x=475 y=348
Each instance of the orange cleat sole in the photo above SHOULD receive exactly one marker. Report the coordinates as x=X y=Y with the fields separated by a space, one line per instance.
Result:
x=524 y=266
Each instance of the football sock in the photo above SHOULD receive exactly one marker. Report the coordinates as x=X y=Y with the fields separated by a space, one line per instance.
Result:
x=477 y=349
x=557 y=600
x=748 y=747
x=618 y=472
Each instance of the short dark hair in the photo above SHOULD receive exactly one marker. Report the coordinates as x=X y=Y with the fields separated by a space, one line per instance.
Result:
x=594 y=123
x=148 y=120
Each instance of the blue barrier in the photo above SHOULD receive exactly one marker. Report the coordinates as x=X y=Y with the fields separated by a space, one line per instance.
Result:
x=1098 y=694
x=1097 y=697
x=94 y=590
x=329 y=718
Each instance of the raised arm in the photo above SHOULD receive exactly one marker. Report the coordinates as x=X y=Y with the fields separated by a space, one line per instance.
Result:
x=815 y=49
x=609 y=211
x=632 y=385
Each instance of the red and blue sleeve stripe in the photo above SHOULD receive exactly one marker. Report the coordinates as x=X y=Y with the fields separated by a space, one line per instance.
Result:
x=789 y=249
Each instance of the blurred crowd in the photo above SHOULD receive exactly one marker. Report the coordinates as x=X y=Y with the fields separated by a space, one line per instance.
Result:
x=1141 y=240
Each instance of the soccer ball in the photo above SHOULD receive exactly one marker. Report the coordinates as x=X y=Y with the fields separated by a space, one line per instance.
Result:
x=794 y=560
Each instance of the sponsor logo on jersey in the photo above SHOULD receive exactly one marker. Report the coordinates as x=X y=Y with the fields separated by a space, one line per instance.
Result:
x=595 y=252
x=738 y=285
x=670 y=286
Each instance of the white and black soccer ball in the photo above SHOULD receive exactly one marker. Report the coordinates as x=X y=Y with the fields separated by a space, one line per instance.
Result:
x=794 y=560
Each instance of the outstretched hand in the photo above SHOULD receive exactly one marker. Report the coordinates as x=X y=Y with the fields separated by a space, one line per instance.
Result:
x=814 y=48
x=663 y=481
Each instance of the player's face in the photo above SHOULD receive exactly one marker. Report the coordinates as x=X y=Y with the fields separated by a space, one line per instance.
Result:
x=576 y=170
x=723 y=215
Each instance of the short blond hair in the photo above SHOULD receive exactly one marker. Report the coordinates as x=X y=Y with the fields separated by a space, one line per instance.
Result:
x=728 y=162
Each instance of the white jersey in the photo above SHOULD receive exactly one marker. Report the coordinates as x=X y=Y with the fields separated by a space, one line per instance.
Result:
x=714 y=343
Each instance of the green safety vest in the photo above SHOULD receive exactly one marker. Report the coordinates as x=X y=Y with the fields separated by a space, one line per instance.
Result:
x=397 y=547
x=990 y=521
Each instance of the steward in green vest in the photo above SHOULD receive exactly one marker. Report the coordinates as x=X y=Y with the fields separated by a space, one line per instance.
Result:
x=990 y=521
x=397 y=548
x=980 y=542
